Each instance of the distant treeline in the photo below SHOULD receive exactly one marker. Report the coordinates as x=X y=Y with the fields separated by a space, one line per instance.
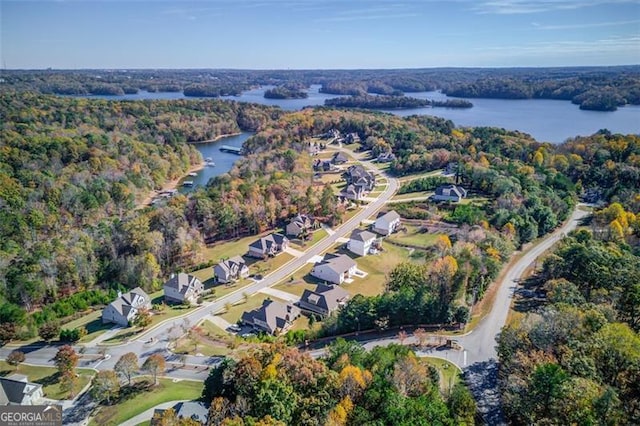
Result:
x=595 y=88
x=389 y=102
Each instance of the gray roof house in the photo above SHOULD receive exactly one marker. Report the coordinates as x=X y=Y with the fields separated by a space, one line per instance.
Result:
x=272 y=317
x=125 y=307
x=270 y=245
x=193 y=410
x=324 y=299
x=182 y=287
x=339 y=158
x=16 y=390
x=334 y=268
x=300 y=224
x=231 y=269
x=352 y=192
x=359 y=176
x=387 y=224
x=450 y=193
x=360 y=242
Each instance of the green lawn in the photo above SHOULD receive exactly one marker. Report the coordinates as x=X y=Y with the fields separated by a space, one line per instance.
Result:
x=230 y=248
x=420 y=194
x=415 y=176
x=474 y=200
x=48 y=377
x=449 y=373
x=317 y=235
x=414 y=236
x=92 y=322
x=145 y=399
x=301 y=280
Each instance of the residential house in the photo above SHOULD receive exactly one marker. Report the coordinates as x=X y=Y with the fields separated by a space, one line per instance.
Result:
x=323 y=165
x=352 y=192
x=324 y=299
x=387 y=224
x=386 y=157
x=334 y=268
x=300 y=225
x=271 y=245
x=358 y=176
x=230 y=270
x=182 y=288
x=125 y=308
x=17 y=390
x=339 y=158
x=450 y=193
x=450 y=169
x=193 y=410
x=331 y=134
x=272 y=317
x=360 y=242
x=352 y=138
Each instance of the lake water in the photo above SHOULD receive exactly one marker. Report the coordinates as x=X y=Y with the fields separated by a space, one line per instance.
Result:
x=224 y=160
x=545 y=120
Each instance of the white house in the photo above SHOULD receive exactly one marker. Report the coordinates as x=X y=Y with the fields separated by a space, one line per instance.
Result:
x=450 y=193
x=387 y=224
x=182 y=287
x=360 y=242
x=334 y=268
x=125 y=307
x=17 y=390
x=231 y=269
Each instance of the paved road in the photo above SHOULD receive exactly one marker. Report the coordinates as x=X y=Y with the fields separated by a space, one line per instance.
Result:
x=156 y=339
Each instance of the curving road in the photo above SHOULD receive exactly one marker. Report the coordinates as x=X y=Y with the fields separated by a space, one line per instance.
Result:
x=156 y=339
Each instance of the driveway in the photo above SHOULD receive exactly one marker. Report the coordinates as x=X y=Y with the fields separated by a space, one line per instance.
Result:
x=280 y=294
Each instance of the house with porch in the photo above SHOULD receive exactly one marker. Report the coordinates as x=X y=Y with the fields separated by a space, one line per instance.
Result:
x=231 y=270
x=125 y=308
x=269 y=246
x=182 y=288
x=300 y=225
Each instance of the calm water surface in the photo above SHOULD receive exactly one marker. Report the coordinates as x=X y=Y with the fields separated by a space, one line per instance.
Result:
x=545 y=120
x=223 y=160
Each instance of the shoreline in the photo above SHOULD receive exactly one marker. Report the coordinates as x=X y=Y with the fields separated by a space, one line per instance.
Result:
x=169 y=185
x=216 y=139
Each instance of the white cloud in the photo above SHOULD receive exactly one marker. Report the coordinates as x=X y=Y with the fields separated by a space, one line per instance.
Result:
x=512 y=7
x=586 y=25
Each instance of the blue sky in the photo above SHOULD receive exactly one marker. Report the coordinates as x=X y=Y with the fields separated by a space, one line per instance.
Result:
x=302 y=34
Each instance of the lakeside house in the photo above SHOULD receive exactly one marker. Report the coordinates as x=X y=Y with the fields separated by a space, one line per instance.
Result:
x=182 y=288
x=230 y=270
x=360 y=242
x=125 y=308
x=453 y=193
x=387 y=224
x=300 y=225
x=334 y=269
x=272 y=317
x=324 y=299
x=17 y=390
x=271 y=245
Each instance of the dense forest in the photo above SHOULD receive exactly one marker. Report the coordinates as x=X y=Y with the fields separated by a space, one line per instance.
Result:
x=70 y=173
x=281 y=386
x=282 y=92
x=575 y=359
x=392 y=102
x=598 y=88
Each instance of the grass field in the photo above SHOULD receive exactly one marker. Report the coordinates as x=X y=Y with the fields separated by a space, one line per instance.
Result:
x=414 y=236
x=408 y=178
x=449 y=373
x=146 y=398
x=317 y=235
x=48 y=377
x=92 y=322
x=410 y=195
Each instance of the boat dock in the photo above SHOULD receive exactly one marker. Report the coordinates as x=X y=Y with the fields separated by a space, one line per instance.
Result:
x=231 y=149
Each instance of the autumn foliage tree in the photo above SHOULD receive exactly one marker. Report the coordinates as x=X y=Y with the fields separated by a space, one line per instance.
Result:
x=127 y=366
x=154 y=365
